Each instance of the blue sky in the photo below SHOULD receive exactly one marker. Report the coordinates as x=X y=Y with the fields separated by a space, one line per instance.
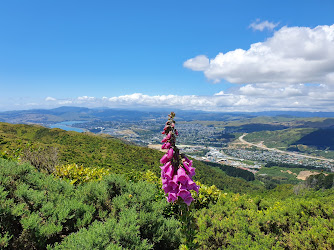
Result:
x=182 y=54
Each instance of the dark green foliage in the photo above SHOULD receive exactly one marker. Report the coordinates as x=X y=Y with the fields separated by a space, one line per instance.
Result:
x=320 y=181
x=39 y=210
x=290 y=165
x=273 y=176
x=136 y=220
x=232 y=171
x=215 y=176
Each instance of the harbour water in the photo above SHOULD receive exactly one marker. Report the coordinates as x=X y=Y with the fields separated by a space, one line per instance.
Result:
x=68 y=126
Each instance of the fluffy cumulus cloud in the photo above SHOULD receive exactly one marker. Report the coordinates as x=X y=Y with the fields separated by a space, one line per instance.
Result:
x=86 y=98
x=199 y=63
x=293 y=55
x=258 y=25
x=49 y=98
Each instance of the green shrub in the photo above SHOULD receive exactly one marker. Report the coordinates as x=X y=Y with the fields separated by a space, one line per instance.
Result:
x=38 y=210
x=246 y=222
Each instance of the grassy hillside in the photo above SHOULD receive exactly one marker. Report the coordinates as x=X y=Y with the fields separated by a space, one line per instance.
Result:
x=281 y=139
x=104 y=151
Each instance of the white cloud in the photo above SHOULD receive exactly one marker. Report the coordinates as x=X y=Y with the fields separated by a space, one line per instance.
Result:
x=86 y=98
x=273 y=90
x=220 y=93
x=65 y=102
x=263 y=25
x=292 y=55
x=49 y=98
x=198 y=63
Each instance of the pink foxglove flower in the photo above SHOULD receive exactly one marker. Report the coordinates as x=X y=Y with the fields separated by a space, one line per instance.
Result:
x=177 y=171
x=188 y=200
x=166 y=145
x=182 y=177
x=170 y=153
x=167 y=137
x=164 y=159
x=170 y=172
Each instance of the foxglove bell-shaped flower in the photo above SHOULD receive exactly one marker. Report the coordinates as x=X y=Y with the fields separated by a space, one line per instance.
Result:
x=166 y=145
x=170 y=172
x=188 y=200
x=173 y=183
x=164 y=159
x=164 y=167
x=189 y=168
x=170 y=153
x=172 y=196
x=182 y=176
x=183 y=193
x=166 y=138
x=191 y=185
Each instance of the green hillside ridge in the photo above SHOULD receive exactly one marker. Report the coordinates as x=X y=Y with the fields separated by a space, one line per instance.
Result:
x=317 y=140
x=105 y=151
x=281 y=139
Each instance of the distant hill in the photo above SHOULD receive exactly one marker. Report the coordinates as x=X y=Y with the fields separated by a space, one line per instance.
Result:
x=255 y=127
x=321 y=139
x=68 y=113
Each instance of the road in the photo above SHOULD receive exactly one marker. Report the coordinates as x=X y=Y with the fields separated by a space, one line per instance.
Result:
x=241 y=138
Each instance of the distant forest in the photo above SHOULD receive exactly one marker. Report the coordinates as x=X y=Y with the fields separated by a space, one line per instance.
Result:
x=232 y=171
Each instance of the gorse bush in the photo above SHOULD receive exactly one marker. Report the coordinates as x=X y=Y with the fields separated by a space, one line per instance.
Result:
x=43 y=158
x=80 y=174
x=38 y=209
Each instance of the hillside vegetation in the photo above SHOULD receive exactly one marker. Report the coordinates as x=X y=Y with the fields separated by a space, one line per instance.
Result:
x=40 y=211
